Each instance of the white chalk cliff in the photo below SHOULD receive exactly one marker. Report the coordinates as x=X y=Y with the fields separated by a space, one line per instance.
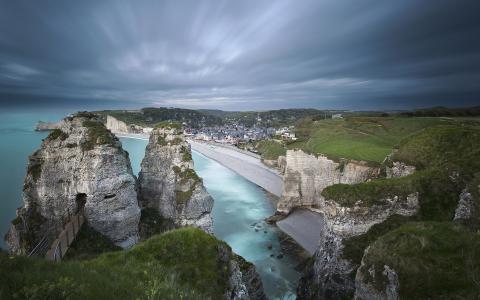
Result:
x=168 y=183
x=79 y=166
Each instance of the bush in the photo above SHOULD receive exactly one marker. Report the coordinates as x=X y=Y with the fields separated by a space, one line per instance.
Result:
x=97 y=134
x=57 y=133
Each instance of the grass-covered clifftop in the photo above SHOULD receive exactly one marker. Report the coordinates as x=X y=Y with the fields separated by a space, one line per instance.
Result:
x=359 y=138
x=180 y=264
x=434 y=256
x=433 y=261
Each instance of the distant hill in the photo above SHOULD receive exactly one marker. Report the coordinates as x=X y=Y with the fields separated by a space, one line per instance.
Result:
x=441 y=111
x=150 y=116
x=205 y=117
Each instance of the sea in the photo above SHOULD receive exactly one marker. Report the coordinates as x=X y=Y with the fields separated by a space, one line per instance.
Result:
x=239 y=210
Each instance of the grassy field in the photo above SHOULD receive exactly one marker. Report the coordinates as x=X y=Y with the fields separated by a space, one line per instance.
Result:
x=361 y=138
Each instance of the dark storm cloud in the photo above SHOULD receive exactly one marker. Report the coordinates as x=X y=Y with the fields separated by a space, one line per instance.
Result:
x=242 y=54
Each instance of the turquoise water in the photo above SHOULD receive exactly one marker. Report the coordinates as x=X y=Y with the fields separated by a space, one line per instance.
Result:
x=239 y=208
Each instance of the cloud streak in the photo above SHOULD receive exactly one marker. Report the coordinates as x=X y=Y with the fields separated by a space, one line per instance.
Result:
x=242 y=54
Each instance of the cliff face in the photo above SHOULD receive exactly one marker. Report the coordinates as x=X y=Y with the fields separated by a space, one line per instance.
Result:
x=79 y=166
x=306 y=176
x=169 y=184
x=118 y=126
x=330 y=274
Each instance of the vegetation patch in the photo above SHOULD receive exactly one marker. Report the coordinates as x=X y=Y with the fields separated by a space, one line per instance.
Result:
x=354 y=247
x=188 y=174
x=152 y=223
x=57 y=134
x=182 y=197
x=433 y=261
x=186 y=154
x=176 y=141
x=371 y=193
x=88 y=244
x=270 y=149
x=97 y=134
x=180 y=264
x=35 y=167
x=161 y=141
x=169 y=124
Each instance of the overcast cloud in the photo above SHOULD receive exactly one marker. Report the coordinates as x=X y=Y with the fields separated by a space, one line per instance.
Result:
x=242 y=54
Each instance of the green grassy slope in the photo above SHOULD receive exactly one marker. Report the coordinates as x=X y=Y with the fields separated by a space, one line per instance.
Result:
x=180 y=264
x=433 y=261
x=360 y=138
x=270 y=149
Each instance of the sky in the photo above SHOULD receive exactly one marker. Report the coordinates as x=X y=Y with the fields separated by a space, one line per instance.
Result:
x=240 y=55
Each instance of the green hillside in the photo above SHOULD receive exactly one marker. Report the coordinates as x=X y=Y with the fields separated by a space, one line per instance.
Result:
x=150 y=116
x=180 y=264
x=360 y=138
x=434 y=256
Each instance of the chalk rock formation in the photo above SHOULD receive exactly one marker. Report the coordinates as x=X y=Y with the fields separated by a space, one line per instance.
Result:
x=399 y=169
x=466 y=206
x=244 y=281
x=348 y=221
x=168 y=182
x=307 y=175
x=364 y=290
x=79 y=166
x=118 y=126
x=46 y=126
x=329 y=275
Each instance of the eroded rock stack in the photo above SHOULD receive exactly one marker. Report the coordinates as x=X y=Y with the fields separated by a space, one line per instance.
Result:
x=168 y=183
x=80 y=166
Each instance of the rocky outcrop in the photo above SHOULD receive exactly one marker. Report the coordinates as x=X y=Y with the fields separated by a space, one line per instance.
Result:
x=466 y=206
x=307 y=175
x=118 y=126
x=168 y=183
x=351 y=221
x=328 y=275
x=282 y=164
x=80 y=166
x=365 y=290
x=244 y=281
x=398 y=169
x=46 y=126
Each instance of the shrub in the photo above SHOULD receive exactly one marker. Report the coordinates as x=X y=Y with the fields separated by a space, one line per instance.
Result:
x=169 y=124
x=57 y=133
x=97 y=134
